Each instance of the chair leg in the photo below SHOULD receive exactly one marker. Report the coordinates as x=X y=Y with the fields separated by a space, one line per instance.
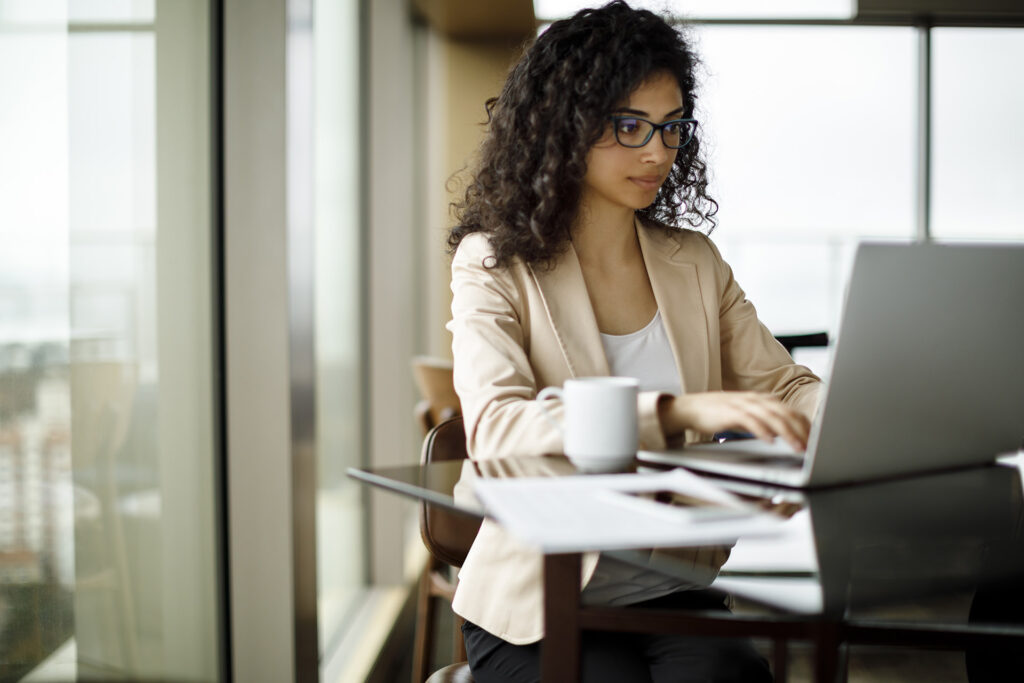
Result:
x=424 y=642
x=780 y=659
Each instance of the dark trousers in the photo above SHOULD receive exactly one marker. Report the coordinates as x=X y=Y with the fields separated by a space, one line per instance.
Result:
x=628 y=657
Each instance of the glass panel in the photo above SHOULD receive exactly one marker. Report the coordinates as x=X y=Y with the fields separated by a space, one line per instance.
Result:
x=37 y=561
x=977 y=136
x=714 y=9
x=111 y=11
x=16 y=15
x=112 y=134
x=811 y=147
x=340 y=526
x=108 y=566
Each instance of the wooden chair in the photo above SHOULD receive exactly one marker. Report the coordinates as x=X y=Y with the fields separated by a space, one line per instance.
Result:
x=448 y=536
x=101 y=412
x=440 y=402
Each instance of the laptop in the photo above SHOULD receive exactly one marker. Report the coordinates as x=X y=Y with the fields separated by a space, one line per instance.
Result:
x=927 y=373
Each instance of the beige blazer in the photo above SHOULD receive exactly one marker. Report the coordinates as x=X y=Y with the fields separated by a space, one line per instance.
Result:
x=518 y=329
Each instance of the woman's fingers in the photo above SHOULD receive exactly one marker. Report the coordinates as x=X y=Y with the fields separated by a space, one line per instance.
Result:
x=762 y=415
x=778 y=420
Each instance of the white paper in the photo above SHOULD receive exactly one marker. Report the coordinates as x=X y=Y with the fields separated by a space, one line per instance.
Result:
x=594 y=512
x=797 y=594
x=791 y=550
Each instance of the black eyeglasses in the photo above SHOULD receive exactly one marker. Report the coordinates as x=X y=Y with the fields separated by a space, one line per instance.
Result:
x=632 y=131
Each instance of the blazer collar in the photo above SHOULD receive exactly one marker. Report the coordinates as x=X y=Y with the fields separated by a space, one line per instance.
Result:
x=676 y=291
x=676 y=288
x=567 y=303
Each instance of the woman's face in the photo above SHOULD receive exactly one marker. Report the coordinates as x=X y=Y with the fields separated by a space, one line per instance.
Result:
x=629 y=178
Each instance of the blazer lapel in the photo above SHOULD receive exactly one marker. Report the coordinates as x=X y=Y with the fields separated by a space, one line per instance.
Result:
x=677 y=291
x=567 y=303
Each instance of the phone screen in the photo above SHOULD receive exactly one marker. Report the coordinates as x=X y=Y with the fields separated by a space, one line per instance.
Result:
x=674 y=501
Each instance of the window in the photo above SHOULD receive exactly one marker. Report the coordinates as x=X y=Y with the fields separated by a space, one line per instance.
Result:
x=108 y=562
x=810 y=139
x=978 y=138
x=341 y=545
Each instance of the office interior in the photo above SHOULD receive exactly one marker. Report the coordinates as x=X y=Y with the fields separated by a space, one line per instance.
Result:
x=223 y=242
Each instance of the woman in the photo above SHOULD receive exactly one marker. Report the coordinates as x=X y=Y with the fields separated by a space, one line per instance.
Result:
x=569 y=262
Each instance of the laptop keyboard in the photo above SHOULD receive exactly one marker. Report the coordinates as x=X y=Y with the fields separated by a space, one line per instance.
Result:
x=750 y=451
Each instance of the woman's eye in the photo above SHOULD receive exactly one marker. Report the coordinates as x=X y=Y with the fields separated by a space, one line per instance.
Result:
x=628 y=126
x=674 y=128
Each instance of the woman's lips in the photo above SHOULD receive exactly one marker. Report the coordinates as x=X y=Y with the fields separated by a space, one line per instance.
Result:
x=652 y=182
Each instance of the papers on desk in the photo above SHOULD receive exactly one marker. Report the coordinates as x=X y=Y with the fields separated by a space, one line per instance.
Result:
x=619 y=511
x=781 y=571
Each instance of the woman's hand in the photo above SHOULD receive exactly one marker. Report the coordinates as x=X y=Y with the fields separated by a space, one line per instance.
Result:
x=760 y=414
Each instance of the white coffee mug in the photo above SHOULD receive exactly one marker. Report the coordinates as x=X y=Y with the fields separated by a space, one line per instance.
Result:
x=599 y=430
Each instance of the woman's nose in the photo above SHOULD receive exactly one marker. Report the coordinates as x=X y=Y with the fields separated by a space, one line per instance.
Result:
x=655 y=150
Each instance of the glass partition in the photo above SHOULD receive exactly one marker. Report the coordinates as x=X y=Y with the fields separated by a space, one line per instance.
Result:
x=37 y=551
x=108 y=561
x=809 y=131
x=341 y=544
x=977 y=133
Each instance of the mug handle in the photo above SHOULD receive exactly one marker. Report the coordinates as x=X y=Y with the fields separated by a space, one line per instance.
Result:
x=548 y=392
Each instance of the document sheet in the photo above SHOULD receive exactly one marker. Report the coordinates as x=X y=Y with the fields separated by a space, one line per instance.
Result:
x=620 y=511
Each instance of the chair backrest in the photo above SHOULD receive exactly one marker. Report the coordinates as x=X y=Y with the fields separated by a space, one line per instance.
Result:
x=447 y=535
x=435 y=381
x=796 y=341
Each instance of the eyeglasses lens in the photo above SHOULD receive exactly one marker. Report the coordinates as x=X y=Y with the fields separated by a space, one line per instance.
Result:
x=677 y=134
x=632 y=132
x=672 y=134
x=638 y=132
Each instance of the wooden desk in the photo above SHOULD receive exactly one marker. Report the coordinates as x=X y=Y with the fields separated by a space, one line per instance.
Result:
x=898 y=542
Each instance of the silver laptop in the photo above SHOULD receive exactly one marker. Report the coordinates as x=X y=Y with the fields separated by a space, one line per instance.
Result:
x=927 y=373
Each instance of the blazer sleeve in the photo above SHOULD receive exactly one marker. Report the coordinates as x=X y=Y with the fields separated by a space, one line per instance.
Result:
x=493 y=376
x=752 y=359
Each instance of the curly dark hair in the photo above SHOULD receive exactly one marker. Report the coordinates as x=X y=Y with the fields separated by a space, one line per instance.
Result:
x=525 y=192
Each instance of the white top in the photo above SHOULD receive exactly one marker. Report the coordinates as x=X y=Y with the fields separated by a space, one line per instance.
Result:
x=647 y=356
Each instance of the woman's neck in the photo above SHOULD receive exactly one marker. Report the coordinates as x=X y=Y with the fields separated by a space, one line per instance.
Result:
x=605 y=237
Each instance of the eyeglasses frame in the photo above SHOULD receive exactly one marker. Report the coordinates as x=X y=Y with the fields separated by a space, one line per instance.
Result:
x=660 y=127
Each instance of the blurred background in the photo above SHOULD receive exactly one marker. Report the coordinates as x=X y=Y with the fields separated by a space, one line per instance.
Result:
x=222 y=230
